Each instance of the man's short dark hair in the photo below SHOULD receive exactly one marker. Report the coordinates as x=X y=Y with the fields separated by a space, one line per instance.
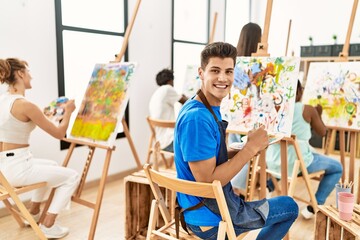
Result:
x=164 y=76
x=217 y=49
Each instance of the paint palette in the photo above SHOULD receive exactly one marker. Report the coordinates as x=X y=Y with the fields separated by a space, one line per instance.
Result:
x=237 y=145
x=273 y=138
x=54 y=110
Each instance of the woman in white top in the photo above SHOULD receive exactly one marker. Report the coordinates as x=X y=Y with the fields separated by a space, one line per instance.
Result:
x=18 y=117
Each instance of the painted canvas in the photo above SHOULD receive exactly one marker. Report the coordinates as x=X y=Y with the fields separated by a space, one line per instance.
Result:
x=104 y=103
x=336 y=87
x=192 y=82
x=263 y=92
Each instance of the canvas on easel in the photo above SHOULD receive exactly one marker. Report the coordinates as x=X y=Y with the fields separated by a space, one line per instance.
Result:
x=104 y=103
x=192 y=81
x=264 y=92
x=336 y=87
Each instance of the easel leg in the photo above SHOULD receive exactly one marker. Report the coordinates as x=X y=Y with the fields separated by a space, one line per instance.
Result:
x=100 y=194
x=306 y=178
x=262 y=163
x=284 y=167
x=352 y=156
x=127 y=134
x=342 y=153
x=85 y=172
x=330 y=141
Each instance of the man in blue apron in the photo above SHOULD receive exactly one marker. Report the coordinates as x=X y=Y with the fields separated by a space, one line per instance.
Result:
x=201 y=155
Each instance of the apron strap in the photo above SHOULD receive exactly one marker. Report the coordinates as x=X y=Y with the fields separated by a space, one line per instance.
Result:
x=179 y=216
x=206 y=103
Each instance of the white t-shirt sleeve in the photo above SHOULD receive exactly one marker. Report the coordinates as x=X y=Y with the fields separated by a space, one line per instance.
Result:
x=172 y=96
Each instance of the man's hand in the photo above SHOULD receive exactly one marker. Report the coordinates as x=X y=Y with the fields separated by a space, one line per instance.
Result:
x=258 y=139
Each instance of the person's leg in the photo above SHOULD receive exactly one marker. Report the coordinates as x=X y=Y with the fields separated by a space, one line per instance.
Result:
x=38 y=195
x=333 y=172
x=283 y=211
x=65 y=180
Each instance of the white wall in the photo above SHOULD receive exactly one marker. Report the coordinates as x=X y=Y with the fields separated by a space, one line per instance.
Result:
x=27 y=30
x=317 y=18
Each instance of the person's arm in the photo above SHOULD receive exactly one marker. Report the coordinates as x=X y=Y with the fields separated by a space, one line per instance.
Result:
x=207 y=171
x=33 y=112
x=183 y=99
x=314 y=115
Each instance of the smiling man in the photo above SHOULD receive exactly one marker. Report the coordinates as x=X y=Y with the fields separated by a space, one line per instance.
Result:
x=201 y=155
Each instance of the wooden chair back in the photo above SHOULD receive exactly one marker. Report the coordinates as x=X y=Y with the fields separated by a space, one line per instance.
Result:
x=18 y=210
x=205 y=190
x=153 y=124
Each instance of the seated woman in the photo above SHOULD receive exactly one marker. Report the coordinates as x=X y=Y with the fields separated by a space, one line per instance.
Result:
x=18 y=118
x=305 y=118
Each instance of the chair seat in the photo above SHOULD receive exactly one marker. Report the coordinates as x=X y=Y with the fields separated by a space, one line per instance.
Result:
x=18 y=210
x=4 y=194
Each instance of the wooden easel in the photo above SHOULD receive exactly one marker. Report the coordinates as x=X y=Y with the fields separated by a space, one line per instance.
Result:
x=331 y=136
x=212 y=34
x=92 y=146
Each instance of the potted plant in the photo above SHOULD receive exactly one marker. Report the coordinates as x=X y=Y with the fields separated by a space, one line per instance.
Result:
x=311 y=40
x=334 y=37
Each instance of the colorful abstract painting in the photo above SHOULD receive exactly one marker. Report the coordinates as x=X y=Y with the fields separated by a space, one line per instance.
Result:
x=192 y=81
x=336 y=87
x=264 y=93
x=104 y=103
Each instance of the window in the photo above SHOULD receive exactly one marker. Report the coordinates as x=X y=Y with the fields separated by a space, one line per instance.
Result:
x=190 y=35
x=87 y=32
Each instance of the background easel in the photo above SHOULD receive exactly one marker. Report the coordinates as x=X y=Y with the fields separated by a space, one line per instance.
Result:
x=92 y=146
x=331 y=135
x=212 y=34
x=262 y=51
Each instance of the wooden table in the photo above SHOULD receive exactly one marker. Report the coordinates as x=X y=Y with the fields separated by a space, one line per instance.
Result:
x=328 y=225
x=138 y=197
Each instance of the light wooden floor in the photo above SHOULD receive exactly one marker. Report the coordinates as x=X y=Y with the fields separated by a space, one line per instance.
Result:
x=111 y=221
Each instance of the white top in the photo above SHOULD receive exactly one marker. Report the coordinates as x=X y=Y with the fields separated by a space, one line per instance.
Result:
x=161 y=106
x=13 y=130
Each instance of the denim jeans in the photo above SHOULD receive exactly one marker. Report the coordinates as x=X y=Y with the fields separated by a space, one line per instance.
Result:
x=333 y=172
x=283 y=211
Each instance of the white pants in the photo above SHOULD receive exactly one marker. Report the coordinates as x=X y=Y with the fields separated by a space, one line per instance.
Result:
x=20 y=168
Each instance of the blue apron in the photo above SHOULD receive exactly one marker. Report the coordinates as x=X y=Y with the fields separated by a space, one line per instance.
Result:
x=246 y=215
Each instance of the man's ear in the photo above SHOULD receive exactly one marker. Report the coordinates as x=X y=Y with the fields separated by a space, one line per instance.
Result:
x=201 y=73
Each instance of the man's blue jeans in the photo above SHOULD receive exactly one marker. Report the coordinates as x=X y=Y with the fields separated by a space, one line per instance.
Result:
x=283 y=211
x=333 y=172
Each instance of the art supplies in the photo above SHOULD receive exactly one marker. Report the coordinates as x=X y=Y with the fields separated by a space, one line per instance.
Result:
x=54 y=111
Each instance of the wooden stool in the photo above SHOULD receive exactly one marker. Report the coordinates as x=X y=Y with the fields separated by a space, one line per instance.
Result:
x=329 y=226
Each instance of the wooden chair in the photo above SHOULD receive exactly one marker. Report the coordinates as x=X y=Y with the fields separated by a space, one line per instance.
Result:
x=157 y=123
x=18 y=210
x=205 y=190
x=299 y=165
